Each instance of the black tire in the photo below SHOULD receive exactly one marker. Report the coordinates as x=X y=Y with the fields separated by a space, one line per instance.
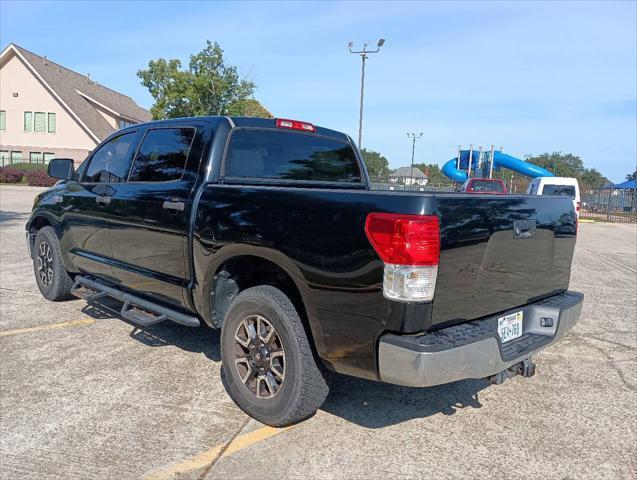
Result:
x=302 y=390
x=54 y=282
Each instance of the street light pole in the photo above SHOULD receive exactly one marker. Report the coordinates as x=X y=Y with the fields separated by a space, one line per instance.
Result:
x=363 y=53
x=413 y=137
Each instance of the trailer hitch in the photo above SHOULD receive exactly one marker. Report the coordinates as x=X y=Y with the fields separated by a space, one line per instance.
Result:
x=526 y=368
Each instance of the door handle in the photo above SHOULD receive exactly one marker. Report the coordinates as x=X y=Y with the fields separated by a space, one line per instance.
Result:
x=175 y=205
x=103 y=200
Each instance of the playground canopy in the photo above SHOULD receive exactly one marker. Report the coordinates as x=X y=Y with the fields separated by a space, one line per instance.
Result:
x=627 y=185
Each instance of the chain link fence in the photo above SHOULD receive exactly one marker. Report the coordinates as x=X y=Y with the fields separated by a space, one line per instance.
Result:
x=611 y=205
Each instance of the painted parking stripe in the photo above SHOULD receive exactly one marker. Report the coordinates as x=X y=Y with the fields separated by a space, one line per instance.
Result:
x=215 y=453
x=51 y=326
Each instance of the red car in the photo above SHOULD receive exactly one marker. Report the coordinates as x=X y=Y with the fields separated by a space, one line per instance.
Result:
x=493 y=186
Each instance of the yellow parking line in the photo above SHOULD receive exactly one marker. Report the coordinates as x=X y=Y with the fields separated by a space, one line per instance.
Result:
x=52 y=326
x=215 y=453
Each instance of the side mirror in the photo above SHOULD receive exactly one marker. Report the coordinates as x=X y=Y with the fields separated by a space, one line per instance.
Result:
x=61 y=168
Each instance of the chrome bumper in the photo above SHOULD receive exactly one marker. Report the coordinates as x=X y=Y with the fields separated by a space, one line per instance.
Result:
x=474 y=349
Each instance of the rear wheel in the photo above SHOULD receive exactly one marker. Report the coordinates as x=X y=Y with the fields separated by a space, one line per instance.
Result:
x=268 y=364
x=54 y=282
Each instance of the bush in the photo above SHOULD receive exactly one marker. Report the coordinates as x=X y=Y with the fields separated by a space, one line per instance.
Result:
x=10 y=175
x=30 y=167
x=39 y=179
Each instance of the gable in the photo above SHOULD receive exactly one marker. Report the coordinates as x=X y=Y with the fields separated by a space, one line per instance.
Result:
x=33 y=96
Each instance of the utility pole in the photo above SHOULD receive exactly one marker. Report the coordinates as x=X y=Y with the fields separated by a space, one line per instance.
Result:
x=363 y=53
x=413 y=137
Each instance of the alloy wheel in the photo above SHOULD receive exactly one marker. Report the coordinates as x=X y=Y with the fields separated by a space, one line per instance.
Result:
x=259 y=356
x=45 y=264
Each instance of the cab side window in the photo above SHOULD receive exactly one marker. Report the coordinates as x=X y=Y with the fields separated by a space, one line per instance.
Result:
x=110 y=164
x=162 y=155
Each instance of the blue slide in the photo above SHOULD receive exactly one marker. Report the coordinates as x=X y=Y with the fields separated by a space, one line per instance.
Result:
x=500 y=160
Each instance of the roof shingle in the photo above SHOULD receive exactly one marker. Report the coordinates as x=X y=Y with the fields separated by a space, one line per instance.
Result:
x=67 y=83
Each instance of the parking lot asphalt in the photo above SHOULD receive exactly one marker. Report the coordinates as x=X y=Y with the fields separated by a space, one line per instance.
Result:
x=84 y=395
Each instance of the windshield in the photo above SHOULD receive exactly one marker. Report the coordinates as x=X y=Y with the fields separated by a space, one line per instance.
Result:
x=485 y=186
x=560 y=191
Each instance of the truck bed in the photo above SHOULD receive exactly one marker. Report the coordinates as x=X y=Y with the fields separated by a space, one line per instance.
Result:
x=317 y=235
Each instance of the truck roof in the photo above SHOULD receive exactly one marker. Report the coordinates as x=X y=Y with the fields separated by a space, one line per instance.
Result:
x=254 y=122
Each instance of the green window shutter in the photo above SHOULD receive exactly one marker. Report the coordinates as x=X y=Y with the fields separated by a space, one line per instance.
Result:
x=48 y=157
x=3 y=120
x=39 y=123
x=51 y=123
x=28 y=121
x=16 y=157
x=35 y=157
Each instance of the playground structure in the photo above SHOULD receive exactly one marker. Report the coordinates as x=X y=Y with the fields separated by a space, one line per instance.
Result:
x=478 y=163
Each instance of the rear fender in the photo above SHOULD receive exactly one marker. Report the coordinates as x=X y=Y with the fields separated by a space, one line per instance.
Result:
x=201 y=292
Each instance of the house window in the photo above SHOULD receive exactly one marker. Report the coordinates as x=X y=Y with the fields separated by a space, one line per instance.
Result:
x=4 y=158
x=16 y=157
x=35 y=157
x=48 y=157
x=28 y=121
x=3 y=120
x=39 y=124
x=124 y=123
x=51 y=122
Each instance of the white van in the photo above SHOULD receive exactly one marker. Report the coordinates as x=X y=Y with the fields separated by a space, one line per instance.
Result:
x=561 y=186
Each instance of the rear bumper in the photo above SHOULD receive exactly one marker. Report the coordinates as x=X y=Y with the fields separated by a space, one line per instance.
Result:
x=474 y=349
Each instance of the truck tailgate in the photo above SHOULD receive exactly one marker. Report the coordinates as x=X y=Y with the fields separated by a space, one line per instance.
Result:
x=500 y=252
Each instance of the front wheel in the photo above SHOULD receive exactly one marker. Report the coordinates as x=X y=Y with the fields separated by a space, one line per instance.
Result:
x=268 y=364
x=54 y=282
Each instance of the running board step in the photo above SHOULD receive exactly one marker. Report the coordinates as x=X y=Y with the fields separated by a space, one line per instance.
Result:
x=136 y=309
x=85 y=293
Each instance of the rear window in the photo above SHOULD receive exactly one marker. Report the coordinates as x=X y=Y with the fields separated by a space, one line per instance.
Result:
x=560 y=191
x=290 y=156
x=485 y=186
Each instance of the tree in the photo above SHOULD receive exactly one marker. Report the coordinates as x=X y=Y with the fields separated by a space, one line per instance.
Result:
x=560 y=164
x=569 y=165
x=632 y=176
x=592 y=178
x=377 y=165
x=249 y=108
x=433 y=172
x=207 y=87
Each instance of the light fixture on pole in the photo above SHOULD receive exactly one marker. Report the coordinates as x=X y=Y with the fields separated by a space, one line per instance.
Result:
x=363 y=53
x=413 y=137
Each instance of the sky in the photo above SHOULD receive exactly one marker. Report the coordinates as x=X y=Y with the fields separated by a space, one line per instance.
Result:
x=531 y=77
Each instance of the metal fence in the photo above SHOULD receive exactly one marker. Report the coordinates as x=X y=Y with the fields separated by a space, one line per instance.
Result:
x=611 y=205
x=408 y=184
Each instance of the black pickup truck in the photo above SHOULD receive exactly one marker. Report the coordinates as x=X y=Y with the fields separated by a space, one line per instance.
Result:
x=269 y=230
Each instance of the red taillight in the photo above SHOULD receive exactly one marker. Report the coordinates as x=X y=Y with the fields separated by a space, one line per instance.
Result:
x=295 y=125
x=577 y=207
x=404 y=239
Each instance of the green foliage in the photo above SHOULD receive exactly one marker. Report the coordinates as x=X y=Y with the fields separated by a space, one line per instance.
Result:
x=207 y=87
x=30 y=167
x=433 y=171
x=569 y=165
x=592 y=178
x=249 y=107
x=377 y=165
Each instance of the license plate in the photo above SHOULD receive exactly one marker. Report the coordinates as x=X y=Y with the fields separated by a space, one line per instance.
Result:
x=510 y=326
